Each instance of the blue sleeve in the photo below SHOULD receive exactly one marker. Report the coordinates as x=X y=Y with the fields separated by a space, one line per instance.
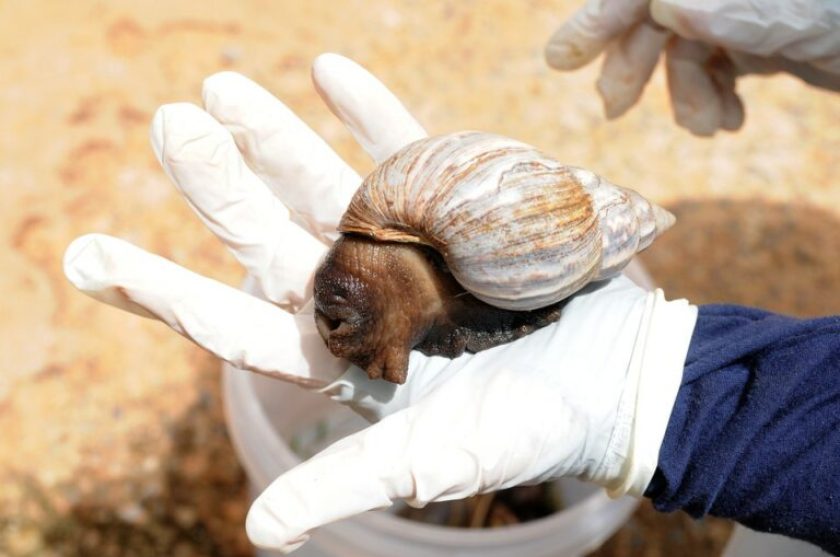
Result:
x=755 y=431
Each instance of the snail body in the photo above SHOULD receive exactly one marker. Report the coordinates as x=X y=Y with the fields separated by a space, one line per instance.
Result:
x=503 y=232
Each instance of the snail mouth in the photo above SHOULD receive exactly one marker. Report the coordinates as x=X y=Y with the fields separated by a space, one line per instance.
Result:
x=336 y=327
x=326 y=326
x=345 y=337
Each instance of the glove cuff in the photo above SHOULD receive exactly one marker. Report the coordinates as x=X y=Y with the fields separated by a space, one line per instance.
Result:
x=653 y=380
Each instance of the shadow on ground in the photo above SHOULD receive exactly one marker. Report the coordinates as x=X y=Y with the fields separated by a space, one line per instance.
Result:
x=191 y=504
x=780 y=257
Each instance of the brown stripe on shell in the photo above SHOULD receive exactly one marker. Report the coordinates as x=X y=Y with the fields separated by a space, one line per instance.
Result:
x=517 y=229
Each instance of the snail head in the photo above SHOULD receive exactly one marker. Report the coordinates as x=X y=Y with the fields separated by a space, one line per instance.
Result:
x=376 y=301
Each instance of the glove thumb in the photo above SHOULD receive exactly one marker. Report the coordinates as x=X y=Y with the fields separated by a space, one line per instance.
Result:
x=362 y=472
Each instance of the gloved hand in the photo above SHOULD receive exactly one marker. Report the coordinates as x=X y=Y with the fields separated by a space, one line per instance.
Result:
x=707 y=46
x=589 y=396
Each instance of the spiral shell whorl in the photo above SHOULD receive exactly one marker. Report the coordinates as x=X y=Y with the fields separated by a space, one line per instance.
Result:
x=628 y=221
x=515 y=227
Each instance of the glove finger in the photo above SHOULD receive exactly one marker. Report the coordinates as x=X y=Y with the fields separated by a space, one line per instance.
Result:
x=724 y=74
x=732 y=110
x=695 y=98
x=454 y=440
x=202 y=160
x=628 y=65
x=377 y=119
x=819 y=73
x=585 y=35
x=824 y=74
x=247 y=332
x=362 y=472
x=295 y=162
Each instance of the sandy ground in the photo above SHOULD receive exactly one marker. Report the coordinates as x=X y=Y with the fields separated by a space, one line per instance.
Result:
x=111 y=436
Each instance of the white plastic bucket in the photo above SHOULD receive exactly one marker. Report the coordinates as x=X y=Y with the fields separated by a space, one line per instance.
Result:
x=267 y=418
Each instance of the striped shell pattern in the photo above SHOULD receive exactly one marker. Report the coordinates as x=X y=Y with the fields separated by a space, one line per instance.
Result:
x=517 y=229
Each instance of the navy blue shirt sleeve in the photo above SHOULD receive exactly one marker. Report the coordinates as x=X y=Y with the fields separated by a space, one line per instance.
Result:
x=755 y=431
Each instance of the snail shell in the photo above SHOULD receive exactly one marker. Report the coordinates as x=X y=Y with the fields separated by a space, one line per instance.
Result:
x=516 y=228
x=466 y=241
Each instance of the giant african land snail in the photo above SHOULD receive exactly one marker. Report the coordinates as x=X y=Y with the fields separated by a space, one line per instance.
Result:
x=466 y=241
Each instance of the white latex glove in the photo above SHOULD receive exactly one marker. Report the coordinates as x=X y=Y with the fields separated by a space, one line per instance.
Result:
x=589 y=396
x=707 y=44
